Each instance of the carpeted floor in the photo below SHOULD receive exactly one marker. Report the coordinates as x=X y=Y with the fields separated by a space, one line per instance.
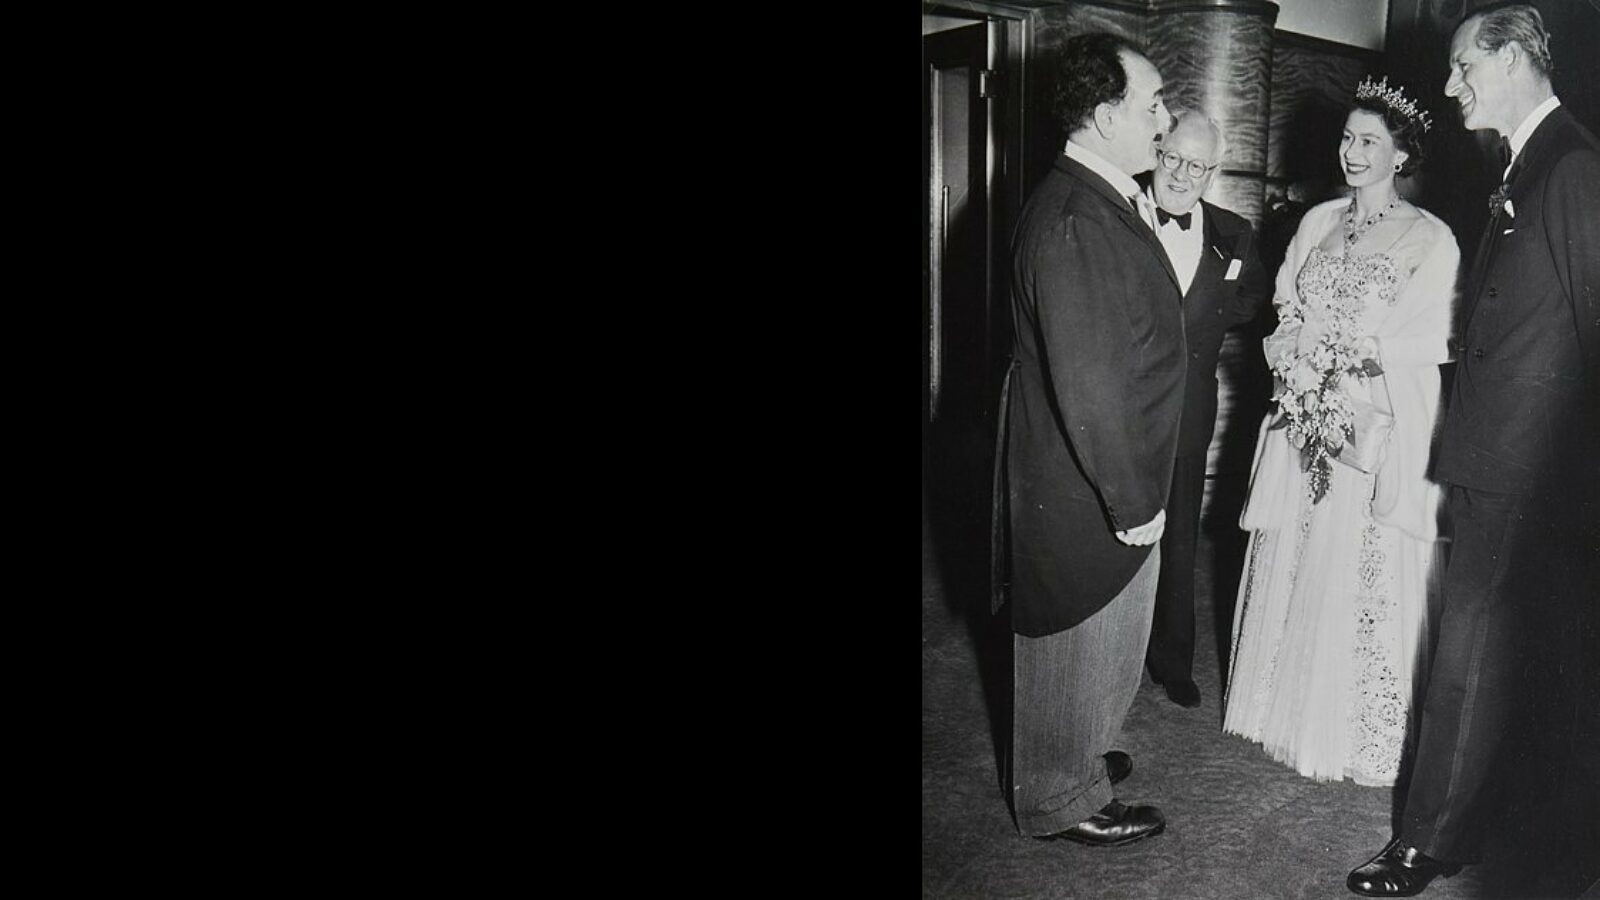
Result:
x=1239 y=824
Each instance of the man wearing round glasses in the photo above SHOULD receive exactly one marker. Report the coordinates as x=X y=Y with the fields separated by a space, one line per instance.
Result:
x=1213 y=253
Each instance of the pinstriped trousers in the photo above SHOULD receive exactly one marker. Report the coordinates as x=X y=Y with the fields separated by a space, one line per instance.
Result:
x=1071 y=692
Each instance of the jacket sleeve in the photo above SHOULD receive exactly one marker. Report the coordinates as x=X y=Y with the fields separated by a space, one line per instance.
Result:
x=1572 y=196
x=1085 y=290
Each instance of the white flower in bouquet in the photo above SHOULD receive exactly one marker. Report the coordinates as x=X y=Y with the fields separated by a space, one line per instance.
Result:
x=1311 y=401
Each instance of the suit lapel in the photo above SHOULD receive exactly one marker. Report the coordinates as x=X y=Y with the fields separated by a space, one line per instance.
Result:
x=1130 y=215
x=1517 y=185
x=1537 y=144
x=1137 y=223
x=1213 y=255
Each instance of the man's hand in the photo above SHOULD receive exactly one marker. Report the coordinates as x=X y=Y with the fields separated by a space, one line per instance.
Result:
x=1146 y=534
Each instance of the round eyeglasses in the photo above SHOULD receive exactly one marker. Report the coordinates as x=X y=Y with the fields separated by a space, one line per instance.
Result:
x=1194 y=167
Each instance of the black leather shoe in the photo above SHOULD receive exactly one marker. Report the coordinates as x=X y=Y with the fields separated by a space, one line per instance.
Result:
x=1119 y=765
x=1398 y=870
x=1184 y=693
x=1115 y=824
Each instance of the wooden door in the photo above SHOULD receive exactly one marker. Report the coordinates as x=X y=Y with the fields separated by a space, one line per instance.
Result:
x=957 y=162
x=963 y=328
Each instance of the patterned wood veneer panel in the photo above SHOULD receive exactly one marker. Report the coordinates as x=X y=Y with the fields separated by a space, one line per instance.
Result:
x=1240 y=193
x=1056 y=24
x=1219 y=61
x=1311 y=92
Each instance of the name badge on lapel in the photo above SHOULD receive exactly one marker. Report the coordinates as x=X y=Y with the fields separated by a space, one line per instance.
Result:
x=1233 y=270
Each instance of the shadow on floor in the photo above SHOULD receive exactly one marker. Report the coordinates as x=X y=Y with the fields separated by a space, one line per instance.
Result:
x=957 y=497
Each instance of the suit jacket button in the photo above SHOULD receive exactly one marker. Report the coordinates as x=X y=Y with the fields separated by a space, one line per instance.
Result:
x=1477 y=353
x=1196 y=355
x=1494 y=292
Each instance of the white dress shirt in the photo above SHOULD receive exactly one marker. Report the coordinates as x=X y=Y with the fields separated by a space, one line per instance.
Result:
x=1184 y=246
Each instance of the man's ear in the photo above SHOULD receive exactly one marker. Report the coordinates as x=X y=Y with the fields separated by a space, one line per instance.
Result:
x=1512 y=56
x=1105 y=120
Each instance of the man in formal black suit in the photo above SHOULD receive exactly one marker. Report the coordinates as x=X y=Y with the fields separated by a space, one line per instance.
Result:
x=1214 y=254
x=1519 y=451
x=1092 y=405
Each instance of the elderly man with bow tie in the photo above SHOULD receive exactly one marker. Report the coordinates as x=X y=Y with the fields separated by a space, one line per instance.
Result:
x=1213 y=252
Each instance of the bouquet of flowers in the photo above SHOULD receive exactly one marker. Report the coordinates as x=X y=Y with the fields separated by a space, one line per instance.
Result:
x=1313 y=406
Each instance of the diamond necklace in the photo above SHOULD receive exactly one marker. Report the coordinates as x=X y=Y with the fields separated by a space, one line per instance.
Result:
x=1353 y=233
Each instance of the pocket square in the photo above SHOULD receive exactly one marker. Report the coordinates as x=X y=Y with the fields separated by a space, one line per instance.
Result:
x=1233 y=270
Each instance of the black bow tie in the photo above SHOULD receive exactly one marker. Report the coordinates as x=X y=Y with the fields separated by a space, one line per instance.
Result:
x=1163 y=217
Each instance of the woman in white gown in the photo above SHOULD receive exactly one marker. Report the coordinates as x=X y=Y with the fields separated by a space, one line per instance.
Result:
x=1331 y=620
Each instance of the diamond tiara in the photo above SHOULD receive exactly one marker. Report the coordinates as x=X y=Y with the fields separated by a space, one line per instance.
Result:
x=1394 y=98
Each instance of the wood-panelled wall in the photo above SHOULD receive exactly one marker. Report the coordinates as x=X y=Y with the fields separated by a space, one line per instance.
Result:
x=1217 y=60
x=1313 y=83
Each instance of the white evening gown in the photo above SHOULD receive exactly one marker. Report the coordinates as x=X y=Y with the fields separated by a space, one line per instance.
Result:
x=1332 y=613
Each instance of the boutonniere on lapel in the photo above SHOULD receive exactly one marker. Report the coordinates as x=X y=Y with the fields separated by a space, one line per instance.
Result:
x=1499 y=200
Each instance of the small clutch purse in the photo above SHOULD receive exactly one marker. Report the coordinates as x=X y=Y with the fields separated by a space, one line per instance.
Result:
x=1373 y=426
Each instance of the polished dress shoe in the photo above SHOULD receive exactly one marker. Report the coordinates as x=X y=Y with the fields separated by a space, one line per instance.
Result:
x=1116 y=823
x=1398 y=870
x=1119 y=765
x=1184 y=693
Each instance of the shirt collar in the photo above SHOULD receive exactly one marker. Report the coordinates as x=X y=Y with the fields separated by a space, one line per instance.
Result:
x=1120 y=181
x=1519 y=138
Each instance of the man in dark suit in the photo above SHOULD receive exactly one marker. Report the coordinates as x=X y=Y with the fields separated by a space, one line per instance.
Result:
x=1092 y=404
x=1224 y=284
x=1518 y=450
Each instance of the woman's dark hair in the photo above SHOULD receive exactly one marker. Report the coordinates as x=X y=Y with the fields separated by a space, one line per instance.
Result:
x=1408 y=132
x=1089 y=72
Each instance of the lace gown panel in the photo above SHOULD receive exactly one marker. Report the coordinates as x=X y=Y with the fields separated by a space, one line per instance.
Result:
x=1330 y=619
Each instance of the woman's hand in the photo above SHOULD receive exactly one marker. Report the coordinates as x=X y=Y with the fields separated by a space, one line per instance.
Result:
x=1367 y=351
x=1281 y=345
